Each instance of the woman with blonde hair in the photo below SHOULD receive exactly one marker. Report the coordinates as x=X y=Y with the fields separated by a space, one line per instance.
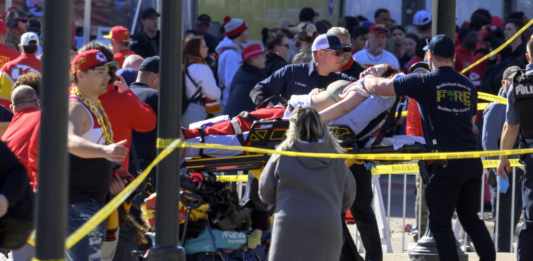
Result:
x=308 y=194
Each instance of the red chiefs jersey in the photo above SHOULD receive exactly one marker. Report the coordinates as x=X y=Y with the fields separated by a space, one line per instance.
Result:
x=11 y=71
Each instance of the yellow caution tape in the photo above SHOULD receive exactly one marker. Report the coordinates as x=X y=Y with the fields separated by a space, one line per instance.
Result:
x=162 y=143
x=492 y=164
x=232 y=178
x=386 y=169
x=491 y=98
x=395 y=169
x=499 y=48
x=364 y=156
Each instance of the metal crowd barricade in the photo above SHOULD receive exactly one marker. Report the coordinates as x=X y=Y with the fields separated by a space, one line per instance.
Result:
x=391 y=243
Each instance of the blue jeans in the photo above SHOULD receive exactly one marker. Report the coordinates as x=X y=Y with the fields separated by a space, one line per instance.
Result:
x=89 y=248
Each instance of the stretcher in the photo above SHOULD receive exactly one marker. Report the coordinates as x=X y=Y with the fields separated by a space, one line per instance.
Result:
x=265 y=128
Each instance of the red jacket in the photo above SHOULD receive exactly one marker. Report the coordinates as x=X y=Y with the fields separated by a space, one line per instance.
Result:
x=126 y=114
x=22 y=131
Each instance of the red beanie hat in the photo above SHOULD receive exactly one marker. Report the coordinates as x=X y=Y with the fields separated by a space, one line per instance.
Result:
x=233 y=27
x=252 y=50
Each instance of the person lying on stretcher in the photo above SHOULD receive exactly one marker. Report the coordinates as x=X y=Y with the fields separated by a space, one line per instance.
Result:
x=339 y=105
x=342 y=105
x=342 y=101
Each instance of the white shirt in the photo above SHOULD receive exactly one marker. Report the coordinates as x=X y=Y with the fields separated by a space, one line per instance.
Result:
x=203 y=76
x=365 y=58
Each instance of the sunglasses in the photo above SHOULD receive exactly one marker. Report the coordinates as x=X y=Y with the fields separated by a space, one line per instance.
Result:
x=343 y=50
x=22 y=20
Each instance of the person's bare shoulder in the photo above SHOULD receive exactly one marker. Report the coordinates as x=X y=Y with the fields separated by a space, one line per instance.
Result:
x=78 y=117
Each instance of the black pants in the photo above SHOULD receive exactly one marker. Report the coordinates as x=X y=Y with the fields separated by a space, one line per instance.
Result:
x=457 y=186
x=504 y=215
x=364 y=215
x=525 y=238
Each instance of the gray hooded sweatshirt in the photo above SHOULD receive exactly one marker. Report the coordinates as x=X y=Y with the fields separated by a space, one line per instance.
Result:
x=309 y=196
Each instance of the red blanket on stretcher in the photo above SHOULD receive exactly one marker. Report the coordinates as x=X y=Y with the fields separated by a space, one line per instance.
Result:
x=244 y=120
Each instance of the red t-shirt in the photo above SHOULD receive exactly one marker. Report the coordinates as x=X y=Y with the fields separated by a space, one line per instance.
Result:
x=20 y=133
x=119 y=57
x=126 y=114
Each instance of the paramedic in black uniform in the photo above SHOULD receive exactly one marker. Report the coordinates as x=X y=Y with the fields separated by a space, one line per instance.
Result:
x=328 y=52
x=518 y=120
x=448 y=103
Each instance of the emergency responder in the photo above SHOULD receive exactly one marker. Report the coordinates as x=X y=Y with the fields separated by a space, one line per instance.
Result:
x=518 y=120
x=302 y=78
x=448 y=103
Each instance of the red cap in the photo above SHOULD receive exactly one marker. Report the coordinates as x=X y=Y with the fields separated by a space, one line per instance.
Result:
x=496 y=21
x=88 y=60
x=252 y=50
x=378 y=28
x=3 y=28
x=119 y=34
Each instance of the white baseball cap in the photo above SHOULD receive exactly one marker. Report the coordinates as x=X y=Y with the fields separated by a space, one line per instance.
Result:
x=327 y=42
x=28 y=37
x=422 y=17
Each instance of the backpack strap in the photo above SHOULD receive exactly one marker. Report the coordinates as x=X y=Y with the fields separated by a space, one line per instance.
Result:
x=197 y=95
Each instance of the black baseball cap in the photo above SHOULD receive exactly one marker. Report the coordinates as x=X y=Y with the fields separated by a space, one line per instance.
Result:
x=149 y=13
x=441 y=45
x=150 y=64
x=307 y=14
x=203 y=19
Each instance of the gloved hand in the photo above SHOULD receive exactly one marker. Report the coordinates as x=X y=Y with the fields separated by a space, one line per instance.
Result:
x=254 y=238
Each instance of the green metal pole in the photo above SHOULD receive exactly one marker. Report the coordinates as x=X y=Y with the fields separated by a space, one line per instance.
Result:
x=444 y=17
x=53 y=179
x=169 y=117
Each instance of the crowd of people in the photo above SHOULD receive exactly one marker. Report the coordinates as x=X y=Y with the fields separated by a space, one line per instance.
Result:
x=113 y=106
